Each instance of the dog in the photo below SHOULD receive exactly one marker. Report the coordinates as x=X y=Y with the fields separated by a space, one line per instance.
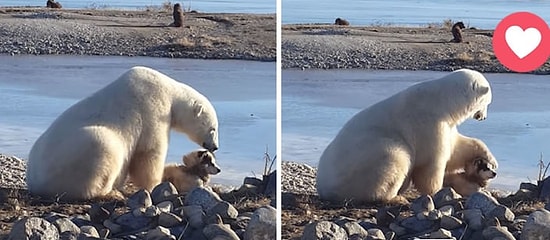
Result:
x=195 y=172
x=53 y=4
x=476 y=175
x=341 y=21
x=178 y=16
x=457 y=32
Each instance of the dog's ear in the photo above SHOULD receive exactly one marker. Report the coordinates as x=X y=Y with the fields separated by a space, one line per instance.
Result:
x=202 y=153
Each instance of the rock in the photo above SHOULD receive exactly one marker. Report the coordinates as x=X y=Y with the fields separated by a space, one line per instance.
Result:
x=502 y=213
x=271 y=184
x=81 y=220
x=224 y=209
x=441 y=234
x=482 y=201
x=103 y=233
x=324 y=230
x=433 y=215
x=387 y=215
x=375 y=234
x=423 y=203
x=525 y=194
x=165 y=206
x=151 y=211
x=168 y=219
x=450 y=222
x=500 y=233
x=353 y=229
x=547 y=206
x=474 y=218
x=140 y=199
x=263 y=224
x=368 y=223
x=390 y=235
x=162 y=192
x=202 y=197
x=446 y=196
x=98 y=213
x=89 y=231
x=537 y=226
x=544 y=185
x=416 y=225
x=159 y=233
x=33 y=228
x=70 y=236
x=66 y=225
x=252 y=181
x=491 y=222
x=447 y=210
x=131 y=222
x=195 y=215
x=528 y=186
x=400 y=231
x=221 y=231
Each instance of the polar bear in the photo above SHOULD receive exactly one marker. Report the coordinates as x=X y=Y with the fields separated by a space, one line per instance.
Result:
x=409 y=137
x=119 y=131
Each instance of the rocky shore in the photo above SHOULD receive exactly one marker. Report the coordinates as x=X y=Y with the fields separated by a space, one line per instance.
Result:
x=203 y=213
x=41 y=31
x=318 y=46
x=447 y=215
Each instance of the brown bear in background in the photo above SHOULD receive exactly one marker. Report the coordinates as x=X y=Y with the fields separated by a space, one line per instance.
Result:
x=457 y=32
x=341 y=21
x=53 y=4
x=178 y=16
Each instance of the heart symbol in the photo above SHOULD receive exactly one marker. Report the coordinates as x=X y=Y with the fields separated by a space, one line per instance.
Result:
x=522 y=42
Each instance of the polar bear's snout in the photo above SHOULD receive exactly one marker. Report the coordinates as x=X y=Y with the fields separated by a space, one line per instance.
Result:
x=210 y=146
x=480 y=115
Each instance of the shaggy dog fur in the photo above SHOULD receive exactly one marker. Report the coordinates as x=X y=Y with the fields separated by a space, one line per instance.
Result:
x=341 y=21
x=178 y=16
x=196 y=171
x=53 y=4
x=476 y=175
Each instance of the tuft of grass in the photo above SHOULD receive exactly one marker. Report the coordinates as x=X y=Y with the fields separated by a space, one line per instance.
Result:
x=268 y=161
x=96 y=6
x=543 y=169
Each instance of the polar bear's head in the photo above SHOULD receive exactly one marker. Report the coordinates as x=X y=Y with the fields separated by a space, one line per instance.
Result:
x=197 y=118
x=475 y=92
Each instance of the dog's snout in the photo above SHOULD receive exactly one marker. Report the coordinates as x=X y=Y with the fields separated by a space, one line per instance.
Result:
x=218 y=170
x=494 y=173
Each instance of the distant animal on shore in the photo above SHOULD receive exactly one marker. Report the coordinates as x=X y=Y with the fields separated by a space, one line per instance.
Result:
x=196 y=171
x=457 y=32
x=341 y=21
x=53 y=4
x=476 y=176
x=178 y=16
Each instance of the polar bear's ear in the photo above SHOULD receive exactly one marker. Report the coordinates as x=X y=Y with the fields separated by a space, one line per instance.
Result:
x=483 y=90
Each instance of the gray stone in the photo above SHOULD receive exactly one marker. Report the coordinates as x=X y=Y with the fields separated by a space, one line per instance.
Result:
x=500 y=233
x=151 y=211
x=390 y=235
x=203 y=197
x=81 y=220
x=482 y=201
x=387 y=215
x=400 y=231
x=195 y=216
x=69 y=236
x=129 y=221
x=368 y=223
x=502 y=213
x=544 y=193
x=271 y=184
x=353 y=229
x=375 y=234
x=165 y=206
x=140 y=199
x=103 y=233
x=89 y=231
x=447 y=210
x=98 y=213
x=416 y=225
x=450 y=222
x=168 y=219
x=494 y=222
x=537 y=226
x=474 y=218
x=66 y=225
x=159 y=233
x=435 y=214
x=263 y=224
x=528 y=186
x=33 y=228
x=441 y=234
x=224 y=209
x=324 y=230
x=162 y=192
x=446 y=196
x=423 y=203
x=252 y=181
x=113 y=227
x=221 y=231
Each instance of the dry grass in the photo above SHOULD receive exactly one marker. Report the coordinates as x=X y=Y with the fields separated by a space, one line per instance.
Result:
x=203 y=41
x=473 y=57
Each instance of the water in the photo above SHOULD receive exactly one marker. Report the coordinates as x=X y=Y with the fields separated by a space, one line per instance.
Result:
x=316 y=103
x=228 y=6
x=482 y=14
x=34 y=90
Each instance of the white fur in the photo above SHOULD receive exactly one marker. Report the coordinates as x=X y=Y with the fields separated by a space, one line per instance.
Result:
x=408 y=137
x=120 y=130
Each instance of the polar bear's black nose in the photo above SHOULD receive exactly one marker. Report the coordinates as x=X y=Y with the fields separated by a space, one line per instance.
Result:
x=209 y=147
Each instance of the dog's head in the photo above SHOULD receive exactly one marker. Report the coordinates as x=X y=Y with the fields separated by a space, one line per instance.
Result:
x=203 y=159
x=482 y=170
x=460 y=25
